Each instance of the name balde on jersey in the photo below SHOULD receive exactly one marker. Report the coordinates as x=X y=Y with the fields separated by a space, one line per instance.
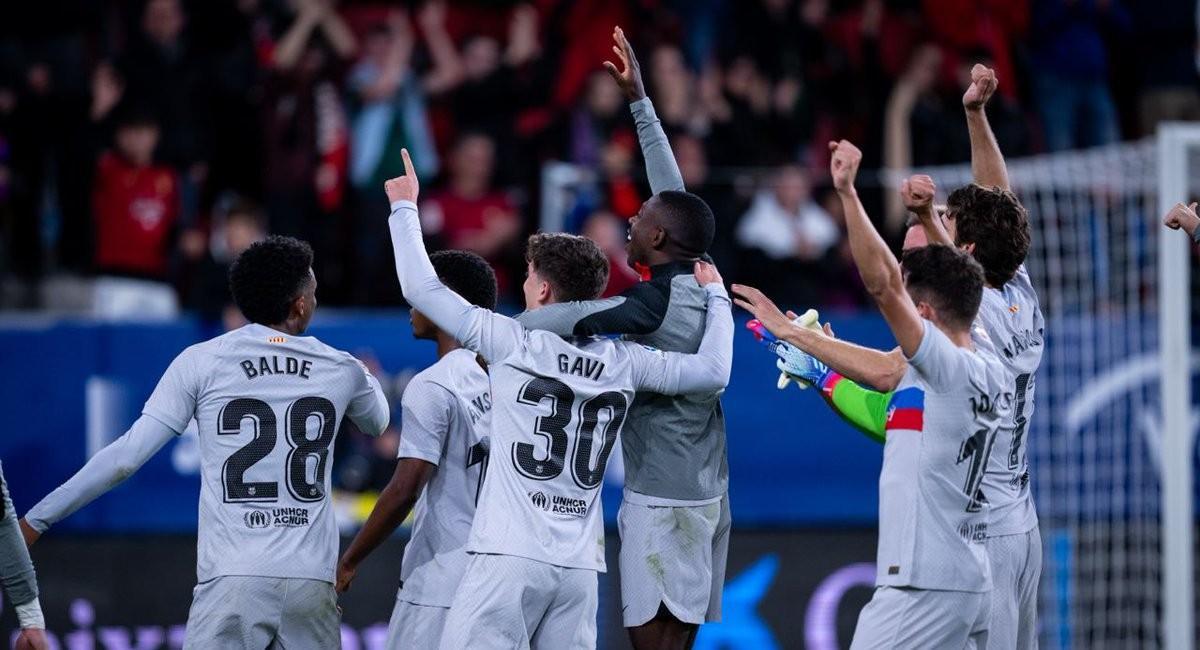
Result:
x=267 y=409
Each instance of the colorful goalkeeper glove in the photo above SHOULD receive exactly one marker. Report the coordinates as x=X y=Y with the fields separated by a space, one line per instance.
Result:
x=789 y=355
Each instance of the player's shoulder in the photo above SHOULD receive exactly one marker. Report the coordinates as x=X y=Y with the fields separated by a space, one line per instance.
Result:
x=445 y=372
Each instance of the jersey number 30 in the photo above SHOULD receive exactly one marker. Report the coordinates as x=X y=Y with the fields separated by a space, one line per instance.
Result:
x=554 y=427
x=258 y=412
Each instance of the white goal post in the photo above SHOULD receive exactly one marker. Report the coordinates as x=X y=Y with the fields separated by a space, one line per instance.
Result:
x=1175 y=140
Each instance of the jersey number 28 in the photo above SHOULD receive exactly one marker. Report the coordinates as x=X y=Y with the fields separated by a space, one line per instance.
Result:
x=262 y=416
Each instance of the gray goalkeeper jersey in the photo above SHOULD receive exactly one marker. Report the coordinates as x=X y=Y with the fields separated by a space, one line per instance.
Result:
x=267 y=407
x=1013 y=321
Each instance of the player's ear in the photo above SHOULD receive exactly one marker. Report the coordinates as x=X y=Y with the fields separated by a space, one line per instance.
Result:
x=969 y=249
x=658 y=237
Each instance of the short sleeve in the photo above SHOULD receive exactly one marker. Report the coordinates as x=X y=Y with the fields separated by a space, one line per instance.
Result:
x=938 y=360
x=368 y=407
x=173 y=401
x=425 y=420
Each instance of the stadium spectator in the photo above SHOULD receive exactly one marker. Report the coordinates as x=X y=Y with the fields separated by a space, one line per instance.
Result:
x=604 y=228
x=1071 y=70
x=135 y=207
x=237 y=224
x=162 y=72
x=1165 y=37
x=791 y=231
x=469 y=213
x=306 y=132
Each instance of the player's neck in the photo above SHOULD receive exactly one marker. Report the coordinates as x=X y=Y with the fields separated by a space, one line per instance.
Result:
x=445 y=344
x=287 y=327
x=960 y=338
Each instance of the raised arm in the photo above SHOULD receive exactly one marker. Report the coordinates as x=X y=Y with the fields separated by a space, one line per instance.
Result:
x=661 y=168
x=107 y=469
x=878 y=267
x=1183 y=217
x=707 y=371
x=491 y=335
x=987 y=163
x=916 y=192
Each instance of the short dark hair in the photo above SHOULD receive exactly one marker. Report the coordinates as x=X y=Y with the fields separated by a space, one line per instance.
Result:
x=468 y=275
x=688 y=220
x=574 y=266
x=946 y=278
x=267 y=277
x=994 y=220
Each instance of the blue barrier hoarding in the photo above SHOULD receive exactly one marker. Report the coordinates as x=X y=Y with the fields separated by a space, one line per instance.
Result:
x=77 y=385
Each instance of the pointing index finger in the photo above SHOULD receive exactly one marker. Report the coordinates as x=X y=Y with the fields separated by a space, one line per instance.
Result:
x=408 y=166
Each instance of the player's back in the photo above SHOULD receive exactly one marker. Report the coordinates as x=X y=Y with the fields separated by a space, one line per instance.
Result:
x=558 y=407
x=268 y=406
x=1012 y=319
x=456 y=388
x=933 y=517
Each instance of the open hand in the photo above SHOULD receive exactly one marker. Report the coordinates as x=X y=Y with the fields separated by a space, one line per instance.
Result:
x=707 y=274
x=983 y=84
x=843 y=164
x=406 y=187
x=755 y=302
x=1183 y=216
x=916 y=192
x=629 y=78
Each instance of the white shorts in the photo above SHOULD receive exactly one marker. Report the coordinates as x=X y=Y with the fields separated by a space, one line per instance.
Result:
x=414 y=626
x=257 y=612
x=1016 y=569
x=506 y=602
x=922 y=619
x=674 y=556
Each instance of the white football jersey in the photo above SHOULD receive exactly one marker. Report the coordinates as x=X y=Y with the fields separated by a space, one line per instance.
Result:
x=942 y=421
x=1013 y=321
x=267 y=406
x=445 y=421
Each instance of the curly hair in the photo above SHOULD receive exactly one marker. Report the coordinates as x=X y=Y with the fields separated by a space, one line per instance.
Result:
x=267 y=277
x=574 y=266
x=468 y=275
x=995 y=222
x=948 y=279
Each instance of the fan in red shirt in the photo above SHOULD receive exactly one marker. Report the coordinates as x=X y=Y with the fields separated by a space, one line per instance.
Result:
x=135 y=204
x=469 y=214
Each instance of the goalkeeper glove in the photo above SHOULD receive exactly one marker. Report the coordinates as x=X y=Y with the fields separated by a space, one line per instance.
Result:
x=786 y=351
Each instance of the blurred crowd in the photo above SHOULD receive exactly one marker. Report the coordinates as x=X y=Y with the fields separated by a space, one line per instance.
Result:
x=144 y=143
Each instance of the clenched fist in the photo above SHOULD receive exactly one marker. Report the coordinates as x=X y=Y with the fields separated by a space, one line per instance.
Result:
x=983 y=84
x=917 y=194
x=1183 y=216
x=406 y=187
x=843 y=165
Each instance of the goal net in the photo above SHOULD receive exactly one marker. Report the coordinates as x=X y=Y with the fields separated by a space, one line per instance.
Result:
x=1097 y=445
